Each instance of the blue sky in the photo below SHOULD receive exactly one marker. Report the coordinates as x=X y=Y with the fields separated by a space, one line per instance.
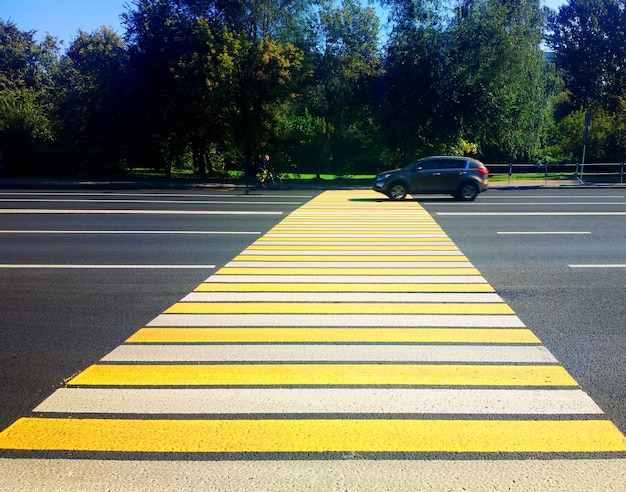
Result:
x=63 y=18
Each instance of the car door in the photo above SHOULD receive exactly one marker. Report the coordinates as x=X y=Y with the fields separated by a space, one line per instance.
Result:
x=450 y=174
x=424 y=176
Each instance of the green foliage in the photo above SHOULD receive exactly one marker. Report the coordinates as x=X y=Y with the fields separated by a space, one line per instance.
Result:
x=203 y=87
x=589 y=40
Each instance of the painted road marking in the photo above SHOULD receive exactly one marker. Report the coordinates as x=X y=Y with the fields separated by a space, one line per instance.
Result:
x=338 y=320
x=126 y=200
x=333 y=335
x=255 y=287
x=105 y=267
x=540 y=233
x=534 y=214
x=340 y=345
x=321 y=374
x=313 y=435
x=268 y=401
x=352 y=472
x=337 y=308
x=334 y=352
x=256 y=233
x=351 y=296
x=46 y=211
x=614 y=265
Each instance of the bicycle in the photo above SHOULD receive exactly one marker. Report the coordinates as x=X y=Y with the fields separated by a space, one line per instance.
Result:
x=268 y=179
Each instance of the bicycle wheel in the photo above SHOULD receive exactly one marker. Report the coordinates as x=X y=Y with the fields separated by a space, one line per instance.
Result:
x=274 y=182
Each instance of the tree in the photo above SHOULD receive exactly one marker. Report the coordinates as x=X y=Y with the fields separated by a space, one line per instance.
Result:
x=419 y=115
x=92 y=94
x=589 y=41
x=25 y=90
x=346 y=63
x=501 y=77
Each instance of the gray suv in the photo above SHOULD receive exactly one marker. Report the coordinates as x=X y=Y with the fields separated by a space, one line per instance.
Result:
x=462 y=177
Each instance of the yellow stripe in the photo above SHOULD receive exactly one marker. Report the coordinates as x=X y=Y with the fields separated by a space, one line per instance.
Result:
x=366 y=247
x=346 y=258
x=383 y=237
x=291 y=287
x=336 y=308
x=321 y=374
x=336 y=435
x=333 y=335
x=346 y=271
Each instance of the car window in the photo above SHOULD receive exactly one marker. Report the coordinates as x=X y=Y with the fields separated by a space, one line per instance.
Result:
x=427 y=165
x=453 y=164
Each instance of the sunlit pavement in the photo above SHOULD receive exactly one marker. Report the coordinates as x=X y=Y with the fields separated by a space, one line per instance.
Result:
x=353 y=347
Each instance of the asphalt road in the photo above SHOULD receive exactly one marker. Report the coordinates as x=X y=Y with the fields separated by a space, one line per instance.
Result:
x=82 y=270
x=55 y=322
x=558 y=257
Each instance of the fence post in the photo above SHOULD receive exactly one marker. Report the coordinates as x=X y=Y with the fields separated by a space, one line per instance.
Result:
x=546 y=174
x=510 y=172
x=621 y=173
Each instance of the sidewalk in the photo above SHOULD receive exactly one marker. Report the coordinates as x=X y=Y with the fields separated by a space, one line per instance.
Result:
x=74 y=183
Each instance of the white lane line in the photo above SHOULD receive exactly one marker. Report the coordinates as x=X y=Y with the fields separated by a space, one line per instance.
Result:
x=44 y=211
x=319 y=400
x=338 y=320
x=169 y=202
x=351 y=264
x=164 y=195
x=105 y=267
x=526 y=214
x=348 y=279
x=128 y=232
x=540 y=233
x=331 y=353
x=614 y=265
x=341 y=297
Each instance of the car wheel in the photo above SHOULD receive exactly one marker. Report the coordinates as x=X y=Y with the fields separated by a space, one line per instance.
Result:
x=397 y=192
x=467 y=192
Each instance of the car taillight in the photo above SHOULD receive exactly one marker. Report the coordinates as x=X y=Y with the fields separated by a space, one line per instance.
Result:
x=482 y=170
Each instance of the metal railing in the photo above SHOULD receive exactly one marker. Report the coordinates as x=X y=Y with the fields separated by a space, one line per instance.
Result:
x=608 y=172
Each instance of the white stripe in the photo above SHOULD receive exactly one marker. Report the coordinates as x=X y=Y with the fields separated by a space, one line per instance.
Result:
x=104 y=267
x=341 y=320
x=340 y=297
x=127 y=232
x=350 y=264
x=349 y=279
x=541 y=232
x=331 y=353
x=45 y=211
x=318 y=400
x=615 y=265
x=347 y=472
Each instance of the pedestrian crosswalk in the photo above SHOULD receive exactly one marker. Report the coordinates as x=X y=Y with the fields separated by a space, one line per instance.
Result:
x=355 y=328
